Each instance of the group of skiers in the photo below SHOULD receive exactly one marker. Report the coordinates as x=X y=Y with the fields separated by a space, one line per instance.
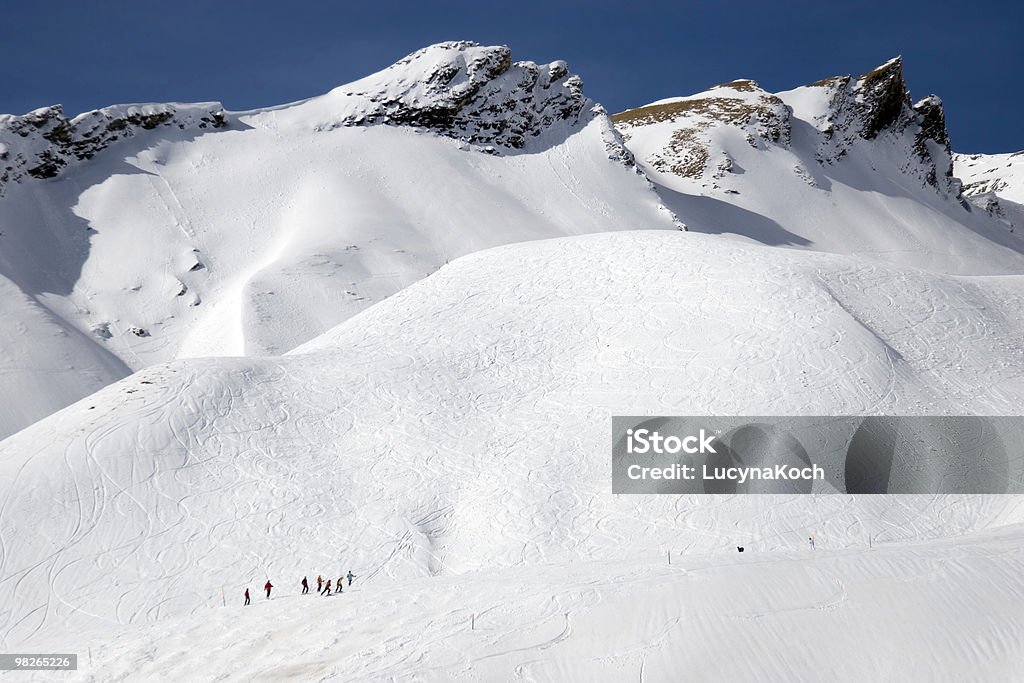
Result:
x=325 y=588
x=321 y=587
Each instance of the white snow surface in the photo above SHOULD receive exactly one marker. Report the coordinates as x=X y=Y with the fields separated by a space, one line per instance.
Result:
x=1000 y=174
x=994 y=183
x=450 y=445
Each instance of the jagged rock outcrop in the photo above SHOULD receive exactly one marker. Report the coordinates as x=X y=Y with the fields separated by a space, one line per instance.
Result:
x=40 y=144
x=469 y=92
x=878 y=105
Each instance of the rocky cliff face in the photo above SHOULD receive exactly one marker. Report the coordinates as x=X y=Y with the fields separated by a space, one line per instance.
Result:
x=42 y=143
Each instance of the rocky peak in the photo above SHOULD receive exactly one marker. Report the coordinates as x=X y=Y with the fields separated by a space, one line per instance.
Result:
x=931 y=144
x=467 y=91
x=864 y=107
x=43 y=142
x=878 y=105
x=881 y=99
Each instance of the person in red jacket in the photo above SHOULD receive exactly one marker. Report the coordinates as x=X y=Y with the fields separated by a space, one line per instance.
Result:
x=327 y=588
x=246 y=596
x=267 y=588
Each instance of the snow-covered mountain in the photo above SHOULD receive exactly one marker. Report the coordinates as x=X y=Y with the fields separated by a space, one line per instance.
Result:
x=138 y=234
x=847 y=164
x=377 y=330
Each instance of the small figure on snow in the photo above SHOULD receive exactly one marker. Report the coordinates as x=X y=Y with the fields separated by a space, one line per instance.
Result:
x=810 y=542
x=305 y=585
x=339 y=585
x=319 y=584
x=246 y=596
x=327 y=588
x=350 y=577
x=267 y=588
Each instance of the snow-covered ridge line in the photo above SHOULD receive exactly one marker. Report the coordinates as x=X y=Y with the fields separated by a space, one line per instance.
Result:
x=460 y=90
x=43 y=142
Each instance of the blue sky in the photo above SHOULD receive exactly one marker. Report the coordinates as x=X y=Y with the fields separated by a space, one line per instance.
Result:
x=247 y=54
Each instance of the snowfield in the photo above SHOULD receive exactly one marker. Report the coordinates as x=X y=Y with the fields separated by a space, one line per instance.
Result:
x=451 y=446
x=930 y=611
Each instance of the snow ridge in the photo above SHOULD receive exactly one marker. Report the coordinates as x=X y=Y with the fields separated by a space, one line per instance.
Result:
x=457 y=89
x=43 y=142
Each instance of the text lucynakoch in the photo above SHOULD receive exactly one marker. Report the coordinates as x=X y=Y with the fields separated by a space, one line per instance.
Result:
x=741 y=475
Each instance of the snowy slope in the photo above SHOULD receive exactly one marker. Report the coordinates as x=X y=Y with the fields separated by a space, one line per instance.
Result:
x=846 y=165
x=994 y=183
x=139 y=234
x=462 y=426
x=999 y=174
x=930 y=611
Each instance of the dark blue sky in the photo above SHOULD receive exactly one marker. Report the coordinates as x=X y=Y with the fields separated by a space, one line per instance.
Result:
x=247 y=54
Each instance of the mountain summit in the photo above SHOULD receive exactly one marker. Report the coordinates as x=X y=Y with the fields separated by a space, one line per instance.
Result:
x=466 y=91
x=878 y=105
